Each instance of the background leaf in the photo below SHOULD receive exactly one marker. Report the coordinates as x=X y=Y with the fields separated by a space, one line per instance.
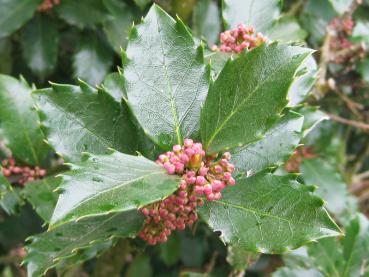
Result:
x=288 y=29
x=14 y=13
x=269 y=214
x=166 y=78
x=19 y=123
x=106 y=184
x=79 y=119
x=6 y=56
x=50 y=248
x=40 y=194
x=40 y=39
x=92 y=60
x=260 y=14
x=248 y=95
x=82 y=13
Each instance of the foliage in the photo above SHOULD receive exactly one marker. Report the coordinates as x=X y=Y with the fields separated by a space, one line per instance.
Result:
x=108 y=94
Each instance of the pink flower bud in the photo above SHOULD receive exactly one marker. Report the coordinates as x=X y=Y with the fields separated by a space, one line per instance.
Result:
x=218 y=169
x=208 y=189
x=170 y=168
x=177 y=148
x=199 y=190
x=203 y=171
x=200 y=181
x=179 y=167
x=188 y=142
x=227 y=176
x=217 y=185
x=184 y=158
x=231 y=182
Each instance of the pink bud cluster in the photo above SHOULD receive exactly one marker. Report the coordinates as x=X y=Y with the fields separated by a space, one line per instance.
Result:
x=238 y=39
x=201 y=176
x=21 y=175
x=47 y=5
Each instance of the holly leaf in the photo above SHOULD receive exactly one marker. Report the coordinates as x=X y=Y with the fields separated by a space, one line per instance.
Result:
x=269 y=214
x=14 y=13
x=297 y=272
x=66 y=242
x=41 y=195
x=287 y=29
x=248 y=95
x=6 y=58
x=278 y=144
x=206 y=20
x=260 y=14
x=115 y=85
x=78 y=119
x=19 y=122
x=341 y=6
x=92 y=60
x=142 y=3
x=105 y=184
x=120 y=20
x=40 y=39
x=217 y=60
x=330 y=185
x=312 y=117
x=167 y=80
x=82 y=13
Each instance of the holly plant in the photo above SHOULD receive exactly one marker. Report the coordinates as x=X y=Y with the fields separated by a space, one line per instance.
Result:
x=183 y=137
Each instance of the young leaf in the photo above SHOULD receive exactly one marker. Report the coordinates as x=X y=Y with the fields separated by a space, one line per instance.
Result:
x=14 y=13
x=19 y=123
x=81 y=119
x=166 y=79
x=51 y=248
x=330 y=184
x=260 y=14
x=120 y=20
x=41 y=195
x=269 y=214
x=105 y=184
x=248 y=95
x=92 y=60
x=278 y=144
x=82 y=13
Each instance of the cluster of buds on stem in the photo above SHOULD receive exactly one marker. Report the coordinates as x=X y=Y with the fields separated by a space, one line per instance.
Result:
x=238 y=39
x=20 y=175
x=47 y=5
x=294 y=162
x=201 y=176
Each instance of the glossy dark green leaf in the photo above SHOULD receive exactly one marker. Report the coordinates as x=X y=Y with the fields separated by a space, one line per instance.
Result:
x=260 y=14
x=120 y=20
x=278 y=144
x=167 y=80
x=312 y=117
x=269 y=214
x=206 y=20
x=217 y=61
x=287 y=29
x=81 y=119
x=51 y=248
x=19 y=122
x=40 y=39
x=14 y=13
x=248 y=95
x=330 y=185
x=92 y=60
x=105 y=184
x=6 y=58
x=140 y=266
x=42 y=196
x=82 y=13
x=115 y=85
x=239 y=258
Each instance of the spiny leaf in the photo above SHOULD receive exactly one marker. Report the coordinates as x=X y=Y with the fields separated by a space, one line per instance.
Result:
x=51 y=248
x=166 y=78
x=278 y=144
x=269 y=214
x=115 y=85
x=105 y=184
x=9 y=197
x=80 y=119
x=248 y=95
x=19 y=125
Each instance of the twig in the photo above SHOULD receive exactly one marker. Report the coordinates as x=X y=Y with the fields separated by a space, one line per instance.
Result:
x=295 y=8
x=352 y=105
x=211 y=264
x=357 y=124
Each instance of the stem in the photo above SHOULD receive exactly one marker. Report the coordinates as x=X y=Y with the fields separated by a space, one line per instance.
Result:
x=354 y=123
